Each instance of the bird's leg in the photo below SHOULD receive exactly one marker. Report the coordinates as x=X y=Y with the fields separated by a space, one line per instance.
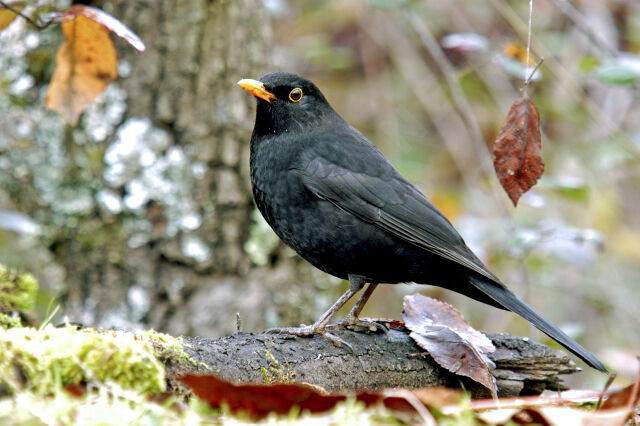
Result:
x=319 y=327
x=352 y=320
x=357 y=308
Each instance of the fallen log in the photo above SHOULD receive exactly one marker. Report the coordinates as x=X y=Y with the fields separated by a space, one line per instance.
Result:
x=523 y=367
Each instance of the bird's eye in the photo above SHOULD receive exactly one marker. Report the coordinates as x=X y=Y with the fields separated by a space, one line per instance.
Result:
x=295 y=95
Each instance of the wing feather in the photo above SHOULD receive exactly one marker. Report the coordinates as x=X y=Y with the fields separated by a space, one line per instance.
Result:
x=393 y=204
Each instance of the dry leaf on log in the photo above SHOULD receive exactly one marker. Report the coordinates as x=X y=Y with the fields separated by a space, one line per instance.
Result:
x=441 y=330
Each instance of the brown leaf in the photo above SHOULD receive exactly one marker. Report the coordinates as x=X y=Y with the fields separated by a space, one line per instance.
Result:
x=517 y=156
x=7 y=16
x=258 y=401
x=441 y=330
x=85 y=64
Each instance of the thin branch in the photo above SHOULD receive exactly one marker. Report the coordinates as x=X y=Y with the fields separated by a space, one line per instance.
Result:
x=19 y=13
x=528 y=80
x=529 y=32
x=38 y=24
x=610 y=380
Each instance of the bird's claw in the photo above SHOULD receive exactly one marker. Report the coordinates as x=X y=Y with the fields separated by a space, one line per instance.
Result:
x=309 y=330
x=337 y=341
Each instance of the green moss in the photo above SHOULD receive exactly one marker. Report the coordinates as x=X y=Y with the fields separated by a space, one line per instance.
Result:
x=167 y=347
x=17 y=291
x=46 y=360
x=7 y=321
x=276 y=372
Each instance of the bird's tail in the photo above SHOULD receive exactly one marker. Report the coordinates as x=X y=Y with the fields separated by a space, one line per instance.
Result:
x=512 y=302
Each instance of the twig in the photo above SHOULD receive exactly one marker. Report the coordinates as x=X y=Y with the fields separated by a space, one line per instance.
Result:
x=38 y=25
x=529 y=32
x=528 y=80
x=529 y=35
x=610 y=380
x=19 y=13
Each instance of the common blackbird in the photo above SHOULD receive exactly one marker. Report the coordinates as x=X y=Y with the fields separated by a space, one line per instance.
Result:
x=334 y=198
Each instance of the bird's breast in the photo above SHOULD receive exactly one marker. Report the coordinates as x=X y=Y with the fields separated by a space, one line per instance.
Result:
x=323 y=234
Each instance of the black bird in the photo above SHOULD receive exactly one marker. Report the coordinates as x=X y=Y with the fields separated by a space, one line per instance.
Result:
x=334 y=198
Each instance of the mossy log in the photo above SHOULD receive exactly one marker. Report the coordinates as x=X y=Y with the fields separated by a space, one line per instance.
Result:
x=523 y=367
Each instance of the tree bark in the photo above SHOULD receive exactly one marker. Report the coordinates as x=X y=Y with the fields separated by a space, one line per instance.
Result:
x=523 y=367
x=184 y=83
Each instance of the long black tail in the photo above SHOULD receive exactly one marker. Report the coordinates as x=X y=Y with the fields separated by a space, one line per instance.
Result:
x=512 y=302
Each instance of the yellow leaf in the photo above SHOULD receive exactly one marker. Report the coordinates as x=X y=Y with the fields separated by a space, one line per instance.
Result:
x=517 y=51
x=85 y=64
x=7 y=16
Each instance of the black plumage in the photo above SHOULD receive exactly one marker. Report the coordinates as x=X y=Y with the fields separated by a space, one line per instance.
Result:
x=334 y=198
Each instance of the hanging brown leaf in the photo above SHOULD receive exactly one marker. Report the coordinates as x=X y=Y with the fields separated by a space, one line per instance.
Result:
x=85 y=64
x=441 y=330
x=517 y=150
x=7 y=16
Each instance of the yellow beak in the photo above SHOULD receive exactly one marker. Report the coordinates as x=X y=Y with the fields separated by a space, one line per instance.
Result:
x=256 y=88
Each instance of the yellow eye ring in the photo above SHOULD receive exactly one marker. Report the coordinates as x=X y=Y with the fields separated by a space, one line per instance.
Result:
x=295 y=95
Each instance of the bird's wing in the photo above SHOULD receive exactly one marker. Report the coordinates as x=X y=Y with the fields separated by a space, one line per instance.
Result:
x=391 y=203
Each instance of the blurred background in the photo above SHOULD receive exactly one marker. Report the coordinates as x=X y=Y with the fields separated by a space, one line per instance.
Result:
x=142 y=215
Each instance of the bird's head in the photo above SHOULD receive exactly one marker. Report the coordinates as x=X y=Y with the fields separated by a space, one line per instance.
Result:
x=286 y=102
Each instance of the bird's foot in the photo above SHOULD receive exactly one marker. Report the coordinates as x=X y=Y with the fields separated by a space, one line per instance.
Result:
x=351 y=322
x=310 y=330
